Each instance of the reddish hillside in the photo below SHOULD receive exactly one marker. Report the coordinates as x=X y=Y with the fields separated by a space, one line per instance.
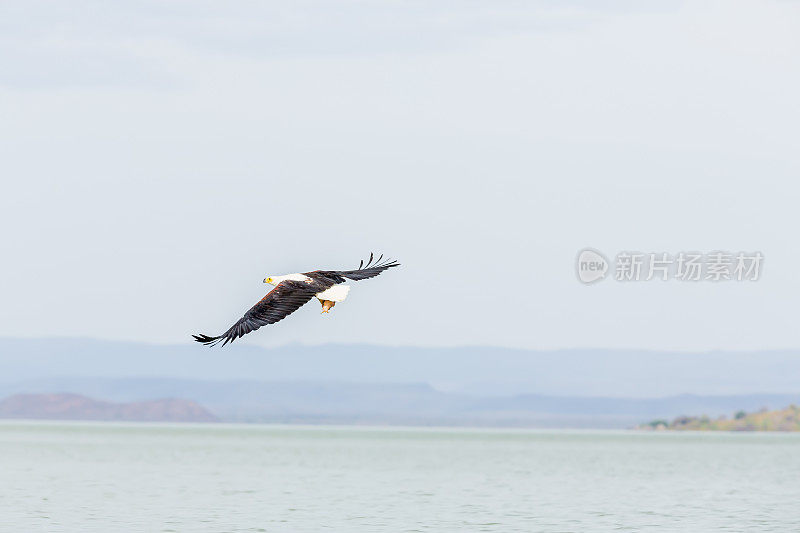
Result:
x=76 y=407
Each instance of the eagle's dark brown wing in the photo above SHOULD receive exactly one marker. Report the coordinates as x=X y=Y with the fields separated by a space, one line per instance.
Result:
x=286 y=298
x=370 y=270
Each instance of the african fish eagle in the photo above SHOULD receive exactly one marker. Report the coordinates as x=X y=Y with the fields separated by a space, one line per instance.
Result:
x=292 y=291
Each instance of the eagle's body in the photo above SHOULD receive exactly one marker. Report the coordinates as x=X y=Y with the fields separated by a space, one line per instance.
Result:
x=292 y=291
x=328 y=297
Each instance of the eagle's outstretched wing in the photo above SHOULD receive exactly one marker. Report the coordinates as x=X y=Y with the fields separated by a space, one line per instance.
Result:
x=286 y=298
x=367 y=271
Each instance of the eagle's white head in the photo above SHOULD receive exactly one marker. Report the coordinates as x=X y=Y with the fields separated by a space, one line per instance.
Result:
x=274 y=280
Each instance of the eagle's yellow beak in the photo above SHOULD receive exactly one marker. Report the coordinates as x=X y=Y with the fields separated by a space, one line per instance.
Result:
x=267 y=280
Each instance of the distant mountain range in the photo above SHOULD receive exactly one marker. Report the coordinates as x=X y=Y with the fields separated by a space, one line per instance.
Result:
x=427 y=386
x=391 y=403
x=475 y=370
x=77 y=407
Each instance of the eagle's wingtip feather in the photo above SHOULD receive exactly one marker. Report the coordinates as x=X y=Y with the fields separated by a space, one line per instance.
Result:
x=207 y=340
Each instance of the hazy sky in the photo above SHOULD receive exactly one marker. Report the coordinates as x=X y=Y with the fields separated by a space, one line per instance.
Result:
x=158 y=159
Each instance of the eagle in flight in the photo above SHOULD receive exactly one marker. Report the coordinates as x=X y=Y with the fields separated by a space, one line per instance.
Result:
x=292 y=291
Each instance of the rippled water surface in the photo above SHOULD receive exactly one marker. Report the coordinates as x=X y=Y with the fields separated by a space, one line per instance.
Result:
x=114 y=477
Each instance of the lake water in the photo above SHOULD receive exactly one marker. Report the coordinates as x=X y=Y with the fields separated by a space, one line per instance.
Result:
x=129 y=477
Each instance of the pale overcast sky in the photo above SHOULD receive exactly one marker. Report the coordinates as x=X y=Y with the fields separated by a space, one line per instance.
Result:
x=158 y=159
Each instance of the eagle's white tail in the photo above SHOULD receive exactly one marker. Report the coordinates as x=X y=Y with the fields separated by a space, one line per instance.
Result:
x=337 y=293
